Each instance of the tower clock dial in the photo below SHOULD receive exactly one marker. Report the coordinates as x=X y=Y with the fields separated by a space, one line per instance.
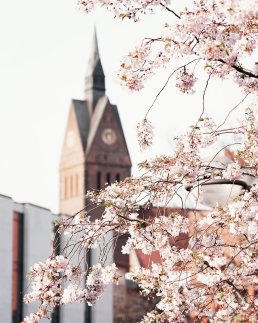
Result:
x=108 y=136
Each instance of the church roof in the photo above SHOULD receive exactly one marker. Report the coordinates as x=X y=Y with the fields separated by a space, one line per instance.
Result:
x=83 y=118
x=88 y=124
x=96 y=118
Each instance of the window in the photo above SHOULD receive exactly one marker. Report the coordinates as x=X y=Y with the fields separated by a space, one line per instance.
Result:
x=76 y=184
x=98 y=181
x=108 y=178
x=118 y=177
x=17 y=288
x=71 y=186
x=65 y=187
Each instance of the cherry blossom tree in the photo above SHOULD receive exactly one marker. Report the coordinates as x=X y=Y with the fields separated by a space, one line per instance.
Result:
x=208 y=260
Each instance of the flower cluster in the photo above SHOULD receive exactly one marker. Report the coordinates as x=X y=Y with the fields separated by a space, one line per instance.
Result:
x=145 y=134
x=219 y=35
x=49 y=277
x=155 y=235
x=97 y=280
x=46 y=287
x=213 y=271
x=233 y=171
x=248 y=152
x=124 y=9
x=185 y=81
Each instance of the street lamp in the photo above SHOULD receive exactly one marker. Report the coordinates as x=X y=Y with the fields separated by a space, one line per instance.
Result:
x=212 y=192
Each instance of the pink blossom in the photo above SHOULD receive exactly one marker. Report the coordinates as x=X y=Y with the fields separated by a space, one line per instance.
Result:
x=145 y=134
x=185 y=81
x=233 y=171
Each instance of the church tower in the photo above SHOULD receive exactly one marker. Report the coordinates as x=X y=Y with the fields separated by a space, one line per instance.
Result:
x=94 y=150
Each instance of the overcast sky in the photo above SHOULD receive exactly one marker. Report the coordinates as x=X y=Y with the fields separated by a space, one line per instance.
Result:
x=43 y=59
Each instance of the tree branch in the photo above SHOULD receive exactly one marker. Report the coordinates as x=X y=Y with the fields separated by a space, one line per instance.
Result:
x=240 y=69
x=170 y=10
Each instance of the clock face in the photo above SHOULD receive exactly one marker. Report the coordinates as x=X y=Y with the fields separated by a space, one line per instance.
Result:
x=108 y=136
x=70 y=139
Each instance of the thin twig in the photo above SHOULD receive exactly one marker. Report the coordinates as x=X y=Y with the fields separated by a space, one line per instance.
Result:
x=168 y=79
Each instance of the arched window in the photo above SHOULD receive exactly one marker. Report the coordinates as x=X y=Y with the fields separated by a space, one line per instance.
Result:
x=108 y=178
x=71 y=186
x=76 y=184
x=118 y=177
x=98 y=181
x=65 y=187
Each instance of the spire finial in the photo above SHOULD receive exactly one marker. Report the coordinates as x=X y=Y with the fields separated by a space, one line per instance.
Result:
x=95 y=78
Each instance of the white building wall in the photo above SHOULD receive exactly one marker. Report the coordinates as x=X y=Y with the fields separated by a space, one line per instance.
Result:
x=38 y=235
x=6 y=253
x=38 y=228
x=72 y=313
x=102 y=311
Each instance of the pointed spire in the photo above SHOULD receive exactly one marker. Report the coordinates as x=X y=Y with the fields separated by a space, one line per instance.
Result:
x=95 y=78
